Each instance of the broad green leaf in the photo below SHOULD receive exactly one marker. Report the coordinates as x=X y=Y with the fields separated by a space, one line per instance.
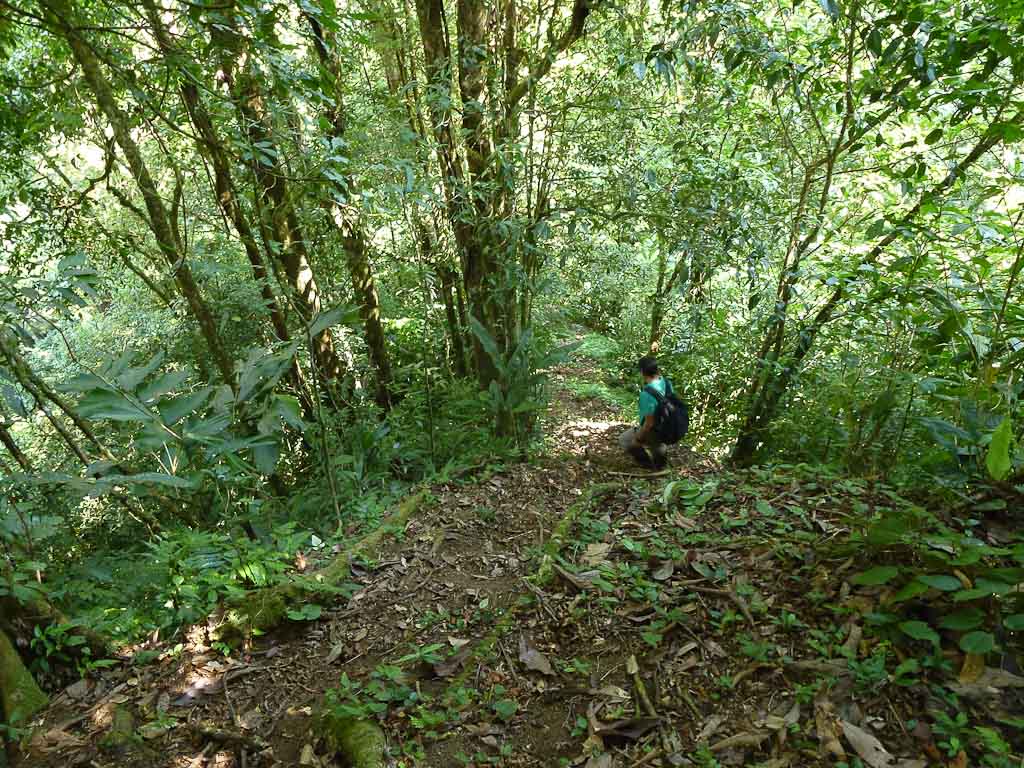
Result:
x=880 y=574
x=265 y=456
x=918 y=630
x=153 y=478
x=997 y=460
x=505 y=708
x=940 y=582
x=977 y=642
x=345 y=314
x=909 y=590
x=963 y=620
x=1014 y=623
x=173 y=410
x=112 y=406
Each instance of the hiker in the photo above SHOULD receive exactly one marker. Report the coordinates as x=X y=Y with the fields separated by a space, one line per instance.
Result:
x=663 y=419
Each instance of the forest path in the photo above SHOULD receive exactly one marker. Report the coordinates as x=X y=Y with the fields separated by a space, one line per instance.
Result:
x=546 y=614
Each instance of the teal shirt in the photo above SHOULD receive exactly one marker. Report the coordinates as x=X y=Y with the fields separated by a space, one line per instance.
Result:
x=648 y=405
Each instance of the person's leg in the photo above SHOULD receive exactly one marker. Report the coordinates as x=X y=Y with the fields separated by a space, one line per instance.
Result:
x=659 y=454
x=629 y=444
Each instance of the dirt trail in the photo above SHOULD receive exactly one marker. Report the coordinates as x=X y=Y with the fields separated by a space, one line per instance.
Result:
x=543 y=615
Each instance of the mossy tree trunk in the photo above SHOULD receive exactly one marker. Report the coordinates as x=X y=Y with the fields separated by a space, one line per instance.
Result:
x=20 y=696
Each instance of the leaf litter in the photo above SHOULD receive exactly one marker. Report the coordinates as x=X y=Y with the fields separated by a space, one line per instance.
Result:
x=664 y=629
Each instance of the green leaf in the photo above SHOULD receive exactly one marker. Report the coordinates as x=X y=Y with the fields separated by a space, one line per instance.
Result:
x=153 y=478
x=265 y=456
x=940 y=582
x=176 y=408
x=963 y=620
x=880 y=574
x=488 y=343
x=998 y=458
x=910 y=590
x=1014 y=623
x=978 y=643
x=505 y=708
x=112 y=406
x=918 y=630
x=932 y=137
x=346 y=314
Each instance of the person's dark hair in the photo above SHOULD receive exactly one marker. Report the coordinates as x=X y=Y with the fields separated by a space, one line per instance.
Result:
x=648 y=366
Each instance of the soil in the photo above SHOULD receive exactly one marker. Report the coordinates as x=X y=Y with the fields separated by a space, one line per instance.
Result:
x=661 y=637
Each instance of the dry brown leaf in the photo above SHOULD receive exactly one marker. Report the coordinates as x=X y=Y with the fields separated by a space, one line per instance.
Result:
x=960 y=761
x=596 y=553
x=973 y=668
x=712 y=724
x=664 y=571
x=600 y=761
x=989 y=684
x=867 y=746
x=631 y=728
x=533 y=659
x=453 y=663
x=745 y=739
x=828 y=732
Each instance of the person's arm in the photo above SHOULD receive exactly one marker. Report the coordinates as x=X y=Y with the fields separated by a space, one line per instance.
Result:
x=646 y=428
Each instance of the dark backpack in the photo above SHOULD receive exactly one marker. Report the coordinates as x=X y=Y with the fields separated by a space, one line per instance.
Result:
x=671 y=417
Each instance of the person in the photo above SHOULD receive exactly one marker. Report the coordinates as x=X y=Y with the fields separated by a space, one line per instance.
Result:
x=642 y=442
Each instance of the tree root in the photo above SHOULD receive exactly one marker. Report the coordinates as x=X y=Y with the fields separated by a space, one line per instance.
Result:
x=360 y=742
x=556 y=541
x=264 y=609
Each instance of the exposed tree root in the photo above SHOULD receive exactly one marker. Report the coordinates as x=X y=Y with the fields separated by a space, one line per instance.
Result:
x=266 y=608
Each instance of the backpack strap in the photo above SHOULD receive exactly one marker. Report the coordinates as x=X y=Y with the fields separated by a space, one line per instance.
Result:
x=655 y=394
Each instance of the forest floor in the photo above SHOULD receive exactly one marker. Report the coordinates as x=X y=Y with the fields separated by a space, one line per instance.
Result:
x=566 y=611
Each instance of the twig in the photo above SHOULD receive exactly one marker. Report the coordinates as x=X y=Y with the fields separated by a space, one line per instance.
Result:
x=739 y=601
x=659 y=473
x=653 y=754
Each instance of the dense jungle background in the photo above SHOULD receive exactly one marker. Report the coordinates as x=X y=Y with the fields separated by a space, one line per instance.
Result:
x=319 y=321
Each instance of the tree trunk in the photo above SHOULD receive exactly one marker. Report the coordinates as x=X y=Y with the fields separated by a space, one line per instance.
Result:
x=60 y=16
x=20 y=696
x=448 y=277
x=12 y=448
x=280 y=222
x=775 y=383
x=211 y=146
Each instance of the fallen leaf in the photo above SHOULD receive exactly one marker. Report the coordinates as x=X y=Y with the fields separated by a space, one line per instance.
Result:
x=988 y=684
x=960 y=761
x=828 y=733
x=600 y=761
x=596 y=553
x=453 y=663
x=664 y=571
x=199 y=687
x=457 y=642
x=336 y=650
x=631 y=728
x=712 y=724
x=532 y=658
x=745 y=739
x=78 y=690
x=714 y=648
x=308 y=756
x=867 y=746
x=612 y=692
